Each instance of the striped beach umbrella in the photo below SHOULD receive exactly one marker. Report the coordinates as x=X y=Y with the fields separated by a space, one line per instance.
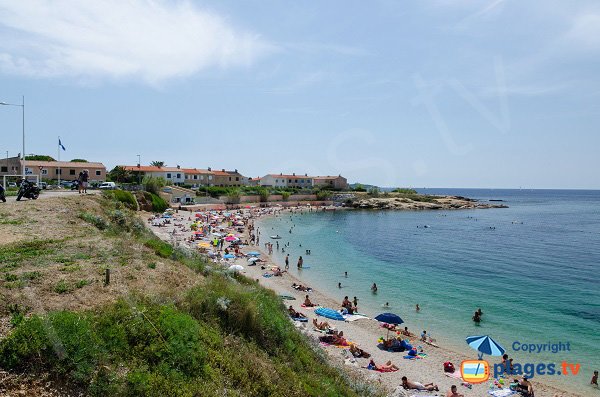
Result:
x=485 y=345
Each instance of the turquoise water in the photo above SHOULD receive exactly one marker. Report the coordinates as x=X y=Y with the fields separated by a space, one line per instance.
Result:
x=532 y=268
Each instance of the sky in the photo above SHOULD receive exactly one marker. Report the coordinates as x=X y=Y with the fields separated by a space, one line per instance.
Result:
x=432 y=93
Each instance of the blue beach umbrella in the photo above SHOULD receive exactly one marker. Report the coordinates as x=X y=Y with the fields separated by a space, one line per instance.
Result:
x=253 y=253
x=329 y=313
x=485 y=345
x=389 y=318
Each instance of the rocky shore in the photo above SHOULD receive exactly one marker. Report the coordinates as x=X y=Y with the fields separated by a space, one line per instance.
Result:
x=419 y=202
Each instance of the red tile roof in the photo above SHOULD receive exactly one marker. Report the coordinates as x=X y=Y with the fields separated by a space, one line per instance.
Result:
x=150 y=168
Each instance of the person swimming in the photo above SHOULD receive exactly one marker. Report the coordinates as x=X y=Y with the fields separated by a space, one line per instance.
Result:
x=374 y=288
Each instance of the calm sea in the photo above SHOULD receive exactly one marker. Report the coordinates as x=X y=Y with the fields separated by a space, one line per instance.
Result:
x=532 y=268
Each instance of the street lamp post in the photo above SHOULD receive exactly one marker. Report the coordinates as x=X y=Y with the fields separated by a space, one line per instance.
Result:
x=22 y=106
x=139 y=168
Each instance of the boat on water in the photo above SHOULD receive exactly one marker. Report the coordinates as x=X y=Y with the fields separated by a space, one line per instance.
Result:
x=277 y=237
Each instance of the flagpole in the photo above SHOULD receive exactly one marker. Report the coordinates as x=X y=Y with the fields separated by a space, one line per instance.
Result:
x=58 y=165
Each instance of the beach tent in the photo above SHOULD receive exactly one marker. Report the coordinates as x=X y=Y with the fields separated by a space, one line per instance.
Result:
x=329 y=313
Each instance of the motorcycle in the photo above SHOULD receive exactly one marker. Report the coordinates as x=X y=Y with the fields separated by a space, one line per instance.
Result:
x=28 y=190
x=2 y=195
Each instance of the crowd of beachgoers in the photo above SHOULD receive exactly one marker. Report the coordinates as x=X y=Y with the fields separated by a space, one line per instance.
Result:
x=401 y=360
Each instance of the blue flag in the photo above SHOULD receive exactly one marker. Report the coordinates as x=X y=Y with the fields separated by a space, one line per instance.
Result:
x=61 y=145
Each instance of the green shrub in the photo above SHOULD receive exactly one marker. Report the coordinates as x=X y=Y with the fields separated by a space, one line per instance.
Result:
x=64 y=342
x=161 y=248
x=404 y=191
x=234 y=196
x=323 y=195
x=123 y=196
x=285 y=196
x=10 y=277
x=154 y=184
x=62 y=287
x=158 y=203
x=95 y=220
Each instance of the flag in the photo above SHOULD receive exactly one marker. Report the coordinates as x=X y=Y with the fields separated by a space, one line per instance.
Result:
x=61 y=145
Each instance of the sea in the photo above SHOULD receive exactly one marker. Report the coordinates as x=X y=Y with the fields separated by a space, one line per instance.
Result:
x=532 y=268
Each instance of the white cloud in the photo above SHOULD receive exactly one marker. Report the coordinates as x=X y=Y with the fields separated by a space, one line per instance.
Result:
x=147 y=40
x=586 y=31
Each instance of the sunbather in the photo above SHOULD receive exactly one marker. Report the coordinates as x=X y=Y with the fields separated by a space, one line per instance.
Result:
x=323 y=326
x=407 y=384
x=525 y=387
x=387 y=367
x=295 y=314
x=308 y=303
x=407 y=332
x=358 y=352
x=453 y=392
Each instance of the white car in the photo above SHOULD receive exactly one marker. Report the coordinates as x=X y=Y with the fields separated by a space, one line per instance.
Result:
x=107 y=185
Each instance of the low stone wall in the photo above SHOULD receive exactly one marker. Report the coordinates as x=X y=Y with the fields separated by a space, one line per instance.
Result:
x=273 y=198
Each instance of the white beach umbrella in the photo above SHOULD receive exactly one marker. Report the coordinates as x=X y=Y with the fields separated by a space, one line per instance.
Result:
x=235 y=268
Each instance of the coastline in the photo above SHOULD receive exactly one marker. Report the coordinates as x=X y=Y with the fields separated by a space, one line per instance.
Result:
x=365 y=334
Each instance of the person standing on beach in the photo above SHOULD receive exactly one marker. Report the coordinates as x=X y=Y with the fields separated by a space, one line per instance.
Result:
x=287 y=262
x=300 y=263
x=84 y=180
x=355 y=301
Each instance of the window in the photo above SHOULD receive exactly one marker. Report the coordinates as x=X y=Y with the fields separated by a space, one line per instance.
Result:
x=168 y=176
x=4 y=169
x=237 y=178
x=289 y=181
x=178 y=176
x=98 y=173
x=44 y=172
x=71 y=172
x=195 y=176
x=230 y=179
x=58 y=172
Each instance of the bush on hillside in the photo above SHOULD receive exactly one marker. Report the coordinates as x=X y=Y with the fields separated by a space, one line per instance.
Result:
x=158 y=203
x=124 y=197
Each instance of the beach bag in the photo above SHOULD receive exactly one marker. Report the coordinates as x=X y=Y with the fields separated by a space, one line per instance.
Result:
x=448 y=367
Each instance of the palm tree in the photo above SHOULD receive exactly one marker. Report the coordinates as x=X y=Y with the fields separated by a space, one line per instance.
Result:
x=119 y=174
x=157 y=163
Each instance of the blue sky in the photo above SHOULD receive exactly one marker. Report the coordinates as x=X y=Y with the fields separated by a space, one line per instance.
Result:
x=433 y=93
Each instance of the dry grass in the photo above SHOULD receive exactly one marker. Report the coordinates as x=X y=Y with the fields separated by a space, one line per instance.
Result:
x=50 y=259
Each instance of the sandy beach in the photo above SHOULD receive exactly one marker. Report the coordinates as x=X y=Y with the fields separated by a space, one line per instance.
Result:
x=363 y=332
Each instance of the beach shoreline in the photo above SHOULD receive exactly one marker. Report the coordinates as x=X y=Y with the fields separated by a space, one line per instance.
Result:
x=364 y=333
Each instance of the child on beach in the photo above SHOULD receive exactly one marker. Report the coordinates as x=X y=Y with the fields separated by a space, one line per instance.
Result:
x=595 y=379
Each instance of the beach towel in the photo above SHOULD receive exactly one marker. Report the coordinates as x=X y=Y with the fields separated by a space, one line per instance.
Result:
x=501 y=392
x=300 y=319
x=308 y=307
x=267 y=275
x=418 y=356
x=455 y=374
x=354 y=317
x=370 y=367
x=287 y=297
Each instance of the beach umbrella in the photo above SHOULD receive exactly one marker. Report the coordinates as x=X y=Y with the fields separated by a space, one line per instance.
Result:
x=235 y=268
x=253 y=253
x=485 y=345
x=329 y=313
x=230 y=238
x=228 y=256
x=389 y=318
x=204 y=244
x=252 y=260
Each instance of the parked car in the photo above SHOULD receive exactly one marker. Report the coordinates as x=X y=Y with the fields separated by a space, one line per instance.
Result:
x=12 y=184
x=43 y=185
x=107 y=186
